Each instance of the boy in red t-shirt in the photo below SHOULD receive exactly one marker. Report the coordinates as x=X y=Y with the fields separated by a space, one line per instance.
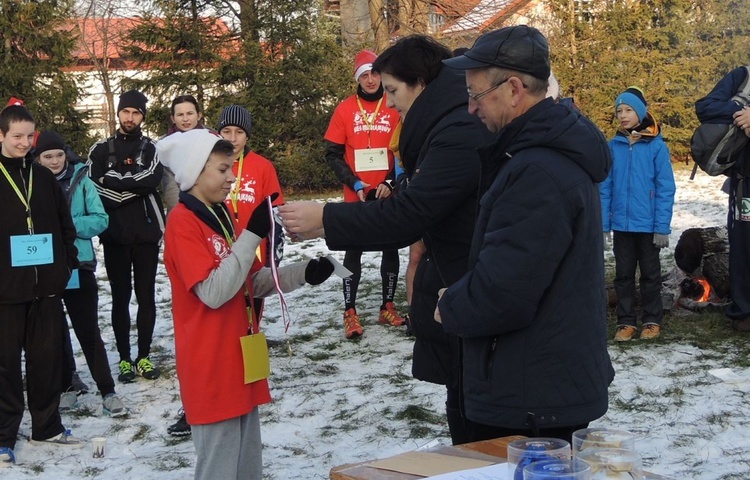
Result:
x=357 y=150
x=214 y=273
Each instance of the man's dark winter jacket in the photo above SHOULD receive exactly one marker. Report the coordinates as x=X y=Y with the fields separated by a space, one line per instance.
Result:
x=127 y=185
x=50 y=214
x=531 y=311
x=438 y=147
x=718 y=107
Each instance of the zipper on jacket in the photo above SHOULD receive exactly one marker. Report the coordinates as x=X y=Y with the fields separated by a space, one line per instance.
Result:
x=490 y=358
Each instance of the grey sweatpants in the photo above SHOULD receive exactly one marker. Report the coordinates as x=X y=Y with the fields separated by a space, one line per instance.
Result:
x=230 y=449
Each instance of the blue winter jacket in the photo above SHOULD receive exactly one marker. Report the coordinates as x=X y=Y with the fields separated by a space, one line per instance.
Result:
x=88 y=213
x=638 y=194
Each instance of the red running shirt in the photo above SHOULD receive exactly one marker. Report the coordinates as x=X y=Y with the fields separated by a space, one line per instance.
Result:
x=207 y=341
x=348 y=127
x=257 y=180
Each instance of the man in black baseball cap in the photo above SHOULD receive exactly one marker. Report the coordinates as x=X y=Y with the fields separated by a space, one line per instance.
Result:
x=521 y=48
x=518 y=56
x=531 y=310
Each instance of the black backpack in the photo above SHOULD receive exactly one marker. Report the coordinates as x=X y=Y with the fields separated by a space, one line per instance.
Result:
x=717 y=146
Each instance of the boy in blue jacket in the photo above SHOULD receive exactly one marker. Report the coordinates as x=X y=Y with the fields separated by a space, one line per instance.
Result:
x=637 y=200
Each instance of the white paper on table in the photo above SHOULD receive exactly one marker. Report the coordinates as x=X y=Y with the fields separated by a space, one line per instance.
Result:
x=338 y=269
x=726 y=375
x=498 y=471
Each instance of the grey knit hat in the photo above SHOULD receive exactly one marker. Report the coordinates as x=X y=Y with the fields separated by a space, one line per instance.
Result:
x=235 y=116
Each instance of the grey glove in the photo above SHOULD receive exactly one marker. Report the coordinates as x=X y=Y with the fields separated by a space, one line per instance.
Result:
x=607 y=238
x=661 y=241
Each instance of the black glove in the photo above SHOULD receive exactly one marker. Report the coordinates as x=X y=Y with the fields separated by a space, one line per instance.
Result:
x=260 y=221
x=318 y=270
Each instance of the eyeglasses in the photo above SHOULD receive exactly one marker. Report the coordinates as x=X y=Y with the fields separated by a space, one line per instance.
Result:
x=477 y=96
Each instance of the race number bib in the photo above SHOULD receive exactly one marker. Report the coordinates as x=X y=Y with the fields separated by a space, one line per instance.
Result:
x=370 y=159
x=29 y=250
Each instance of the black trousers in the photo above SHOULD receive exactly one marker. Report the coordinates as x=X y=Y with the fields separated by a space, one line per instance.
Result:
x=739 y=249
x=389 y=266
x=82 y=305
x=637 y=250
x=36 y=329
x=143 y=259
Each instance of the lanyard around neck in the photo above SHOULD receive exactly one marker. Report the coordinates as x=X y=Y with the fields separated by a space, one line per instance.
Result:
x=229 y=237
x=369 y=121
x=230 y=240
x=235 y=193
x=25 y=200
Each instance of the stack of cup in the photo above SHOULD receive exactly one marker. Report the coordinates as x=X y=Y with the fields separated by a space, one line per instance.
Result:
x=526 y=451
x=609 y=452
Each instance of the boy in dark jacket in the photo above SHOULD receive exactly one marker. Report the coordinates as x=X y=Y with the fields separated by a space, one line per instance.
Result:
x=37 y=254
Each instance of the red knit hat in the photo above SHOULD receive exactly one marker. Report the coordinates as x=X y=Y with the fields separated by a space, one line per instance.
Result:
x=14 y=101
x=363 y=62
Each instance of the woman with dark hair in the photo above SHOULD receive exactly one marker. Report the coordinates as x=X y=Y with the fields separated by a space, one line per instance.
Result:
x=437 y=144
x=185 y=115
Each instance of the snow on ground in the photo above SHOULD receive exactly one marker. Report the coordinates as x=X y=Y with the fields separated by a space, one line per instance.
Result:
x=338 y=401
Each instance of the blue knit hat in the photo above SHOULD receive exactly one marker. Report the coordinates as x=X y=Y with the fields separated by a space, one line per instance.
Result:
x=633 y=97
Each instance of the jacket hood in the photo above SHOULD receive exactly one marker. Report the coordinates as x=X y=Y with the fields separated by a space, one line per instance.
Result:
x=648 y=132
x=561 y=127
x=440 y=97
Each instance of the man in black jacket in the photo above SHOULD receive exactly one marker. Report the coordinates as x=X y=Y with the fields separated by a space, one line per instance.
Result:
x=718 y=107
x=127 y=174
x=531 y=310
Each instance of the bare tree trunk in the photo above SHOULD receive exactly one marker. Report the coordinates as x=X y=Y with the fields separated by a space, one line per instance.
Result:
x=110 y=113
x=98 y=14
x=413 y=16
x=379 y=24
x=248 y=16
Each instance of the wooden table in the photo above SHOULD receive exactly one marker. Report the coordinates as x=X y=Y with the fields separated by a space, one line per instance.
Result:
x=490 y=450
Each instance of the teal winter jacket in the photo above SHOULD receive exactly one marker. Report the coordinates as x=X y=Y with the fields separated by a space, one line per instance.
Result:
x=88 y=213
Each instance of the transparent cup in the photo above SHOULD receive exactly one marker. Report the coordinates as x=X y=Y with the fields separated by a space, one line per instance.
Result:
x=612 y=463
x=526 y=451
x=98 y=447
x=599 y=437
x=558 y=469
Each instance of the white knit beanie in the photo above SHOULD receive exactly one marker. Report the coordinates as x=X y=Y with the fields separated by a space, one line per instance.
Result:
x=186 y=153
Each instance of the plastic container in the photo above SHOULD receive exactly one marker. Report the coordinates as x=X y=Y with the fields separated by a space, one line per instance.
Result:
x=526 y=451
x=612 y=463
x=602 y=438
x=557 y=469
